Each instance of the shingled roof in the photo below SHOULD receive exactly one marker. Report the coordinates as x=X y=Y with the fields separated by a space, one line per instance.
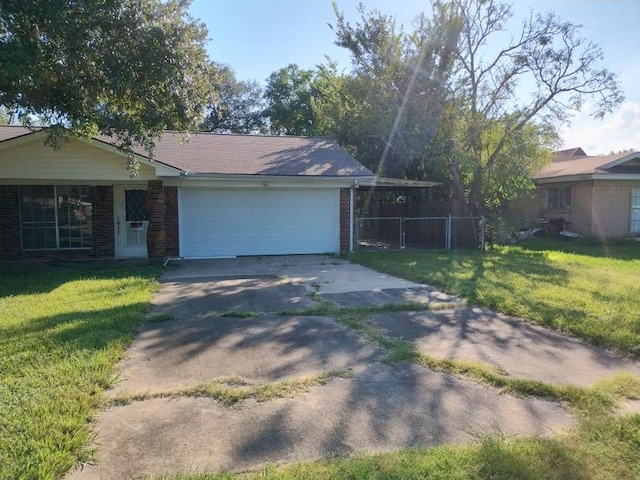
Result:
x=565 y=165
x=210 y=153
x=222 y=154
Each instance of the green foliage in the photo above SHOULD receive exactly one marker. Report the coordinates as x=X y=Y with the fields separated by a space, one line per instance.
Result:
x=454 y=100
x=62 y=331
x=588 y=290
x=288 y=101
x=508 y=101
x=237 y=107
x=126 y=68
x=398 y=83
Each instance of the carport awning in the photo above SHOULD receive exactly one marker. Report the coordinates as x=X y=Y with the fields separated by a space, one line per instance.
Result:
x=388 y=182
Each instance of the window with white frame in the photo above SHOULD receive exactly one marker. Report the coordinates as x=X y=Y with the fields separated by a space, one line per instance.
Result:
x=635 y=210
x=558 y=198
x=56 y=217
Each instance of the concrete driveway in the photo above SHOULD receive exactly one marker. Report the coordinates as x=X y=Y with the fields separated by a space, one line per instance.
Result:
x=369 y=407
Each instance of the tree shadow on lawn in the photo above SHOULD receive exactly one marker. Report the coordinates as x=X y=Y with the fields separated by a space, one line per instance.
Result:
x=44 y=278
x=613 y=249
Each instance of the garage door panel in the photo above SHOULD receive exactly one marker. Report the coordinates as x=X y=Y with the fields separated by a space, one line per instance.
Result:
x=258 y=222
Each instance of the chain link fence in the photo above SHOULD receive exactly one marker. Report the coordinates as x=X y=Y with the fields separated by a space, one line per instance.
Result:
x=419 y=233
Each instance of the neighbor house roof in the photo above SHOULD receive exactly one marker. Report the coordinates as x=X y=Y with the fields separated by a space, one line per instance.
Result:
x=570 y=152
x=222 y=154
x=576 y=164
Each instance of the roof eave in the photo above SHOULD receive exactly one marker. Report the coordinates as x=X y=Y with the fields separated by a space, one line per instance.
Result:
x=587 y=176
x=261 y=176
x=24 y=138
x=620 y=161
x=162 y=169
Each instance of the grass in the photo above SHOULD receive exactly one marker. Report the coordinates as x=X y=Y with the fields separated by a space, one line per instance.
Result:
x=590 y=290
x=230 y=391
x=607 y=451
x=62 y=331
x=599 y=399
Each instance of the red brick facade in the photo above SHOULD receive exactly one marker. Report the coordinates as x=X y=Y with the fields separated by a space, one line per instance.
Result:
x=103 y=224
x=156 y=233
x=345 y=220
x=172 y=248
x=163 y=232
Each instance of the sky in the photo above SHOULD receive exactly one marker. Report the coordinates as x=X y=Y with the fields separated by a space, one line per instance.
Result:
x=258 y=37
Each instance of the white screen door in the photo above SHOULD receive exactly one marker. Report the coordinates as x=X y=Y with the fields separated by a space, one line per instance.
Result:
x=131 y=221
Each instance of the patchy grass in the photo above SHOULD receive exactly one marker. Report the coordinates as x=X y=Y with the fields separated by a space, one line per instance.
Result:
x=62 y=331
x=588 y=289
x=240 y=314
x=606 y=451
x=600 y=398
x=327 y=309
x=160 y=318
x=230 y=391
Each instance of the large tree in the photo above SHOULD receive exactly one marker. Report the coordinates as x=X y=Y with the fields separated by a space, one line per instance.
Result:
x=458 y=99
x=288 y=96
x=237 y=106
x=507 y=94
x=398 y=82
x=128 y=68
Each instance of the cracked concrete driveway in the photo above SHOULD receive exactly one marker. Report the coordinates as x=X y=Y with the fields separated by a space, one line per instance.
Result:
x=376 y=407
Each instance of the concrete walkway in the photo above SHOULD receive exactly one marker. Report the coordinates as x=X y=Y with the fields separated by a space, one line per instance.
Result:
x=519 y=348
x=381 y=408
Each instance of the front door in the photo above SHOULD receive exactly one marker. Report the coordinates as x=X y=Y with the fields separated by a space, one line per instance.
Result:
x=131 y=221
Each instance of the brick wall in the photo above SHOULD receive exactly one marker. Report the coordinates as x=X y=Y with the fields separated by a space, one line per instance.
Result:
x=156 y=233
x=171 y=221
x=611 y=214
x=579 y=216
x=103 y=225
x=344 y=220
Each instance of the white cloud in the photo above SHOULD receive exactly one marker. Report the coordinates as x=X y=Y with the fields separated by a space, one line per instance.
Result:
x=618 y=131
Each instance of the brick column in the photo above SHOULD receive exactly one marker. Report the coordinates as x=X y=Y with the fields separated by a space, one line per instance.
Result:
x=171 y=221
x=10 y=247
x=344 y=220
x=104 y=245
x=156 y=233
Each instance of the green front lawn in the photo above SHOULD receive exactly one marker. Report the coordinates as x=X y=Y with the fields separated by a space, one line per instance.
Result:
x=589 y=290
x=62 y=332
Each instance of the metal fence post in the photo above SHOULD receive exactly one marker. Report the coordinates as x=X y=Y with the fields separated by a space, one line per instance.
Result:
x=403 y=234
x=449 y=232
x=483 y=223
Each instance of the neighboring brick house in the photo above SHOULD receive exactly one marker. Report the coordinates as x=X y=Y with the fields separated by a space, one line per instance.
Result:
x=211 y=196
x=598 y=195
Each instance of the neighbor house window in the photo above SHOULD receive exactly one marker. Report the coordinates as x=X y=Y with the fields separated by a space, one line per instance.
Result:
x=558 y=198
x=55 y=217
x=635 y=210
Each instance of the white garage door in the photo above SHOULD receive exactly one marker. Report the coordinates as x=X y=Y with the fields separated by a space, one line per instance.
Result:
x=218 y=222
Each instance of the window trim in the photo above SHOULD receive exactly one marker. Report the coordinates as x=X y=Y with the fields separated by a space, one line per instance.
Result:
x=560 y=196
x=56 y=221
x=635 y=195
